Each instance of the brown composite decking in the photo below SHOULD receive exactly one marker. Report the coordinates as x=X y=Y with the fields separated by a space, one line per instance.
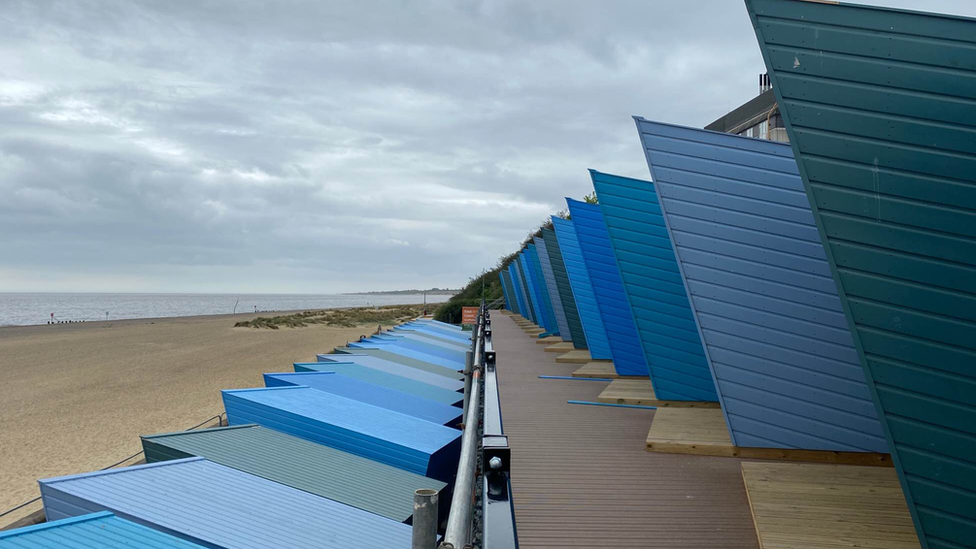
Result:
x=581 y=476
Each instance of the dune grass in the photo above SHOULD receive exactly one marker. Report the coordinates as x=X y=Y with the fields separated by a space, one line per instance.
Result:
x=346 y=318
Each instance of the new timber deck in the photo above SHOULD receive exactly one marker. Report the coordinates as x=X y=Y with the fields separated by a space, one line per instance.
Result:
x=639 y=391
x=817 y=506
x=563 y=347
x=703 y=431
x=581 y=477
x=602 y=368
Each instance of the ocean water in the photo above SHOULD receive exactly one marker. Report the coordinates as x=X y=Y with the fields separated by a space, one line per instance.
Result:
x=18 y=309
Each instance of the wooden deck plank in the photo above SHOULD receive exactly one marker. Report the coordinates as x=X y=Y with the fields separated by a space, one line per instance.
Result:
x=551 y=340
x=703 y=431
x=561 y=347
x=639 y=391
x=602 y=368
x=580 y=356
x=820 y=506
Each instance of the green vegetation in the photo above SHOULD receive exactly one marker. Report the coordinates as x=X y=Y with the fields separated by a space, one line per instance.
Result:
x=346 y=318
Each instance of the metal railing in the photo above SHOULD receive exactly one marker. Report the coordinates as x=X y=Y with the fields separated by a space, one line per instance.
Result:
x=485 y=453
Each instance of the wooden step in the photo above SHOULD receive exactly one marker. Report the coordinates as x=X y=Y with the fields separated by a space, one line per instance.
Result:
x=579 y=356
x=603 y=368
x=549 y=340
x=561 y=347
x=814 y=505
x=703 y=431
x=640 y=391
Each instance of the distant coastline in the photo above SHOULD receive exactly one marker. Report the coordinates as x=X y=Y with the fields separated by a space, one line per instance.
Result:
x=435 y=291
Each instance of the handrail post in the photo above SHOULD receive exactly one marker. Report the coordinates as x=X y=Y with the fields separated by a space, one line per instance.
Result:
x=424 y=519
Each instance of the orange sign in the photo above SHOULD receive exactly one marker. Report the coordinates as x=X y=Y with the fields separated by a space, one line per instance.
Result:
x=469 y=315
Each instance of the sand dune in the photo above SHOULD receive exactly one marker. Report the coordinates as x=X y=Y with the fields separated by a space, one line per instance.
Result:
x=76 y=397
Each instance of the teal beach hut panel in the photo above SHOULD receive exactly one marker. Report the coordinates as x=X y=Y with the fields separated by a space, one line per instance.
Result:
x=652 y=282
x=564 y=289
x=608 y=287
x=880 y=107
x=542 y=292
x=547 y=273
x=774 y=329
x=579 y=281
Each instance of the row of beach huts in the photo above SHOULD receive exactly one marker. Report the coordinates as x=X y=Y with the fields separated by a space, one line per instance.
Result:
x=816 y=299
x=327 y=456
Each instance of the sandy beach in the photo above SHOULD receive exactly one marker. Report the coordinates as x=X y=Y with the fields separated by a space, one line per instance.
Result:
x=76 y=397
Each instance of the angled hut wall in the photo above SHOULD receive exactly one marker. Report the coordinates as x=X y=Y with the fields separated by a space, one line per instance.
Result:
x=654 y=289
x=534 y=307
x=506 y=290
x=608 y=287
x=550 y=277
x=880 y=107
x=369 y=393
x=386 y=436
x=582 y=285
x=564 y=289
x=542 y=292
x=101 y=530
x=217 y=506
x=314 y=468
x=787 y=371
x=397 y=378
x=517 y=289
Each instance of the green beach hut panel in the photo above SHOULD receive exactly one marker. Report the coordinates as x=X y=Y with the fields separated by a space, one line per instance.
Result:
x=880 y=107
x=550 y=278
x=564 y=289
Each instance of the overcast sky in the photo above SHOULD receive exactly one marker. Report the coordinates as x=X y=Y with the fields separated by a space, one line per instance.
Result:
x=322 y=147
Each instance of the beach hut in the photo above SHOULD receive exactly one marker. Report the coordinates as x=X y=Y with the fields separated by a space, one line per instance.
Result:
x=608 y=287
x=388 y=356
x=878 y=105
x=449 y=380
x=541 y=288
x=779 y=346
x=101 y=530
x=314 y=468
x=564 y=290
x=369 y=393
x=403 y=441
x=517 y=290
x=524 y=285
x=582 y=286
x=538 y=313
x=436 y=335
x=217 y=506
x=389 y=379
x=408 y=352
x=652 y=282
x=550 y=279
x=413 y=342
x=507 y=290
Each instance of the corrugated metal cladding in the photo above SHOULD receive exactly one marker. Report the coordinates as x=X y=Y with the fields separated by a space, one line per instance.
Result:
x=450 y=380
x=779 y=345
x=369 y=393
x=880 y=106
x=391 y=380
x=395 y=358
x=534 y=307
x=517 y=290
x=579 y=281
x=403 y=441
x=506 y=283
x=397 y=349
x=542 y=294
x=564 y=289
x=101 y=530
x=608 y=287
x=350 y=479
x=218 y=506
x=640 y=243
x=550 y=278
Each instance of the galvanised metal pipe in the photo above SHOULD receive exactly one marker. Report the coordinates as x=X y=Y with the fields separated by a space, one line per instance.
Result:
x=462 y=502
x=424 y=519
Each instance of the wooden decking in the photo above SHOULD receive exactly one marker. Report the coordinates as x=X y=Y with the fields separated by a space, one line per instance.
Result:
x=641 y=392
x=561 y=347
x=819 y=506
x=549 y=340
x=582 y=478
x=703 y=431
x=574 y=357
x=602 y=368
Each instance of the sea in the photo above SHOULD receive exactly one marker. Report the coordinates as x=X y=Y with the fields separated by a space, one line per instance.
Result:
x=20 y=309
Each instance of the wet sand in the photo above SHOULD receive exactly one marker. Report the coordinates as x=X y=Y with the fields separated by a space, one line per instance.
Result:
x=76 y=397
